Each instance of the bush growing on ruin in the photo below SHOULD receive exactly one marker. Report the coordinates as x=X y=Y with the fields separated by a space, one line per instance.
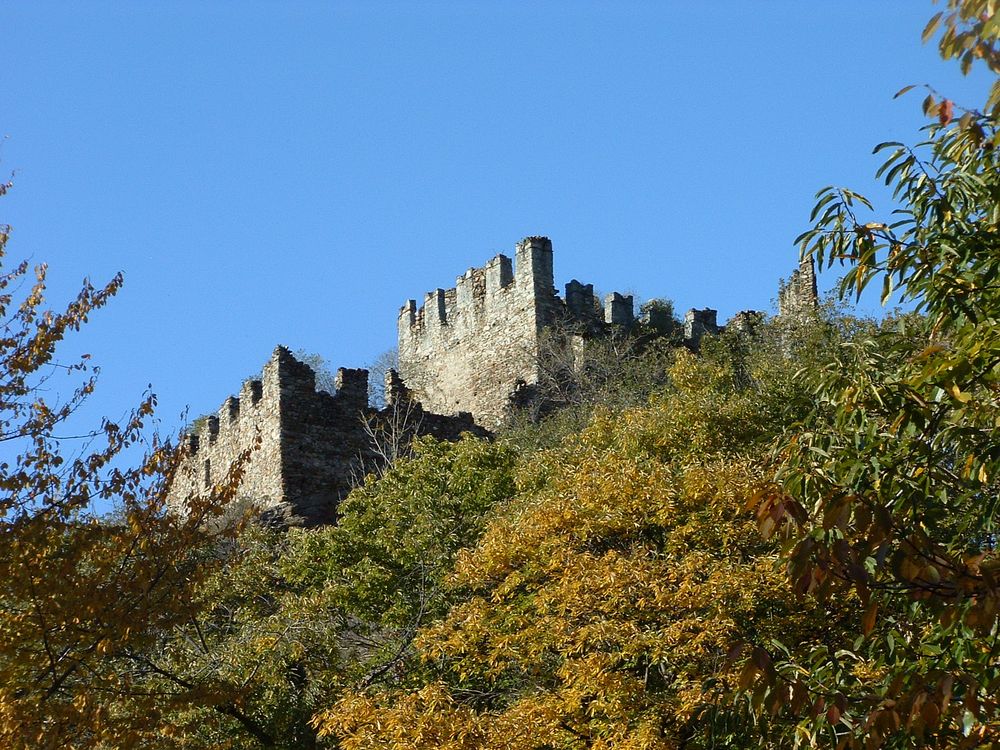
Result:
x=658 y=315
x=577 y=375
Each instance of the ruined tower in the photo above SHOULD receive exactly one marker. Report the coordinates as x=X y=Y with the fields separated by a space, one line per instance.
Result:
x=472 y=347
x=313 y=445
x=799 y=295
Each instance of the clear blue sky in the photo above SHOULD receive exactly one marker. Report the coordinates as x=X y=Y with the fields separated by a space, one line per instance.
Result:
x=270 y=173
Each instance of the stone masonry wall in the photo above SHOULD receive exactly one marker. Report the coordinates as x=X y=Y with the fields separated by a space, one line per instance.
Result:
x=472 y=347
x=799 y=295
x=468 y=347
x=314 y=445
x=225 y=435
x=322 y=440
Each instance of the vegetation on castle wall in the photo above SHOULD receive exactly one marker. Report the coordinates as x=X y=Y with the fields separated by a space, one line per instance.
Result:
x=620 y=370
x=786 y=540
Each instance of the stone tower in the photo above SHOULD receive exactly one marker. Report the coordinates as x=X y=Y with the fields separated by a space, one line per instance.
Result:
x=472 y=347
x=467 y=348
x=799 y=294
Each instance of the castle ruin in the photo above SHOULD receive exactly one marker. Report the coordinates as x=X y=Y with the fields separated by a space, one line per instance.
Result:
x=470 y=348
x=313 y=446
x=799 y=296
x=464 y=356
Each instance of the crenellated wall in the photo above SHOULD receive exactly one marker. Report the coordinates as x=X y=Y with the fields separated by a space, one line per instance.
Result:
x=234 y=428
x=466 y=348
x=313 y=445
x=464 y=355
x=471 y=347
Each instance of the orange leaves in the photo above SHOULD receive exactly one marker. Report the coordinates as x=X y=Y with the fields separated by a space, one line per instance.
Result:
x=868 y=619
x=758 y=663
x=428 y=719
x=775 y=509
x=946 y=111
x=943 y=109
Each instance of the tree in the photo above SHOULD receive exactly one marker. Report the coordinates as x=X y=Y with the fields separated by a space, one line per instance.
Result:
x=970 y=33
x=598 y=608
x=82 y=596
x=888 y=490
x=293 y=618
x=578 y=374
x=377 y=371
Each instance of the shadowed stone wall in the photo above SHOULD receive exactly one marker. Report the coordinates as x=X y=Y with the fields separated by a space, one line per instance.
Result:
x=314 y=445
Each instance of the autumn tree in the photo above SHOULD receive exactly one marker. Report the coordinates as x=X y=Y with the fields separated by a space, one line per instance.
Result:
x=889 y=488
x=293 y=618
x=82 y=595
x=602 y=607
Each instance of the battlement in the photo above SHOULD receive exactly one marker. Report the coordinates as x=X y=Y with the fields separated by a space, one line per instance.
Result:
x=469 y=347
x=310 y=445
x=619 y=310
x=533 y=256
x=284 y=378
x=483 y=292
x=580 y=303
x=501 y=289
x=745 y=321
x=697 y=323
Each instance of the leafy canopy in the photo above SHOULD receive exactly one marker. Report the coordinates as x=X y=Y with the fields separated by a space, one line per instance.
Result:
x=890 y=486
x=82 y=595
x=598 y=609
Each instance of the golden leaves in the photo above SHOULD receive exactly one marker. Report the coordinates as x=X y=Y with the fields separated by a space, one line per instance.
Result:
x=602 y=601
x=81 y=595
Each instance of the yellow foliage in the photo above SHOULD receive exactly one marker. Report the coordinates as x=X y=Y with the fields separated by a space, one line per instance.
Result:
x=600 y=606
x=82 y=598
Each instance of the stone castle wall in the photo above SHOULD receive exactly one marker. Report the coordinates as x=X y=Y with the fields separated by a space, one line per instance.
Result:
x=799 y=294
x=473 y=347
x=470 y=348
x=467 y=347
x=222 y=437
x=464 y=356
x=314 y=446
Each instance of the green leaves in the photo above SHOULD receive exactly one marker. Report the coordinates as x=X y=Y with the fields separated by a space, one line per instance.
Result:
x=970 y=32
x=932 y=26
x=894 y=468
